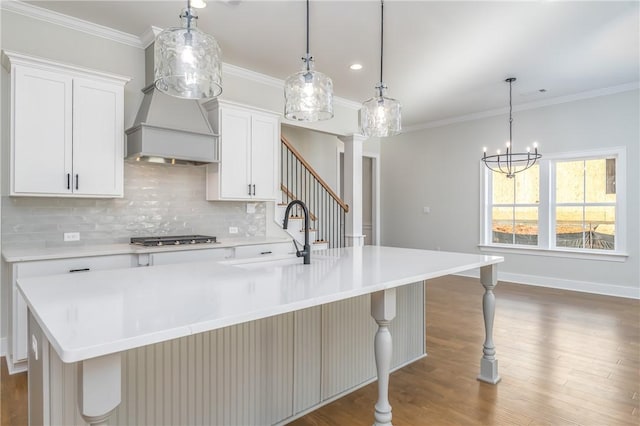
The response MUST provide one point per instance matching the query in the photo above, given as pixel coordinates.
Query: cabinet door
(42, 132)
(98, 142)
(264, 139)
(187, 256)
(235, 128)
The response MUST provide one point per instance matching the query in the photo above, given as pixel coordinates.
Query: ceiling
(443, 59)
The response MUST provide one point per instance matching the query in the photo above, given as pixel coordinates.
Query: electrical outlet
(71, 236)
(233, 229)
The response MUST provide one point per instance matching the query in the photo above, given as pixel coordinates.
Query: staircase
(298, 180)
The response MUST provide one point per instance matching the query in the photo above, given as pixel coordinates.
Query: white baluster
(383, 310)
(489, 363)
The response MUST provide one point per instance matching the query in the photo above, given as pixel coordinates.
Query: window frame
(547, 208)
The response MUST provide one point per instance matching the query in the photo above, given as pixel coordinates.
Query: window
(569, 204)
(514, 211)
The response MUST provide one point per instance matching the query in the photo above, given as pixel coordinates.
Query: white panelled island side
(245, 341)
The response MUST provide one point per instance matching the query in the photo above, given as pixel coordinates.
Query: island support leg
(383, 310)
(99, 387)
(489, 363)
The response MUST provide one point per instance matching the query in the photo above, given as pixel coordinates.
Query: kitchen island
(88, 322)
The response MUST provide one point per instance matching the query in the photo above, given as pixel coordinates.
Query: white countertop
(48, 253)
(101, 312)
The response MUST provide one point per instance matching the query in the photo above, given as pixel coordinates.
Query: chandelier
(380, 115)
(308, 94)
(511, 162)
(187, 61)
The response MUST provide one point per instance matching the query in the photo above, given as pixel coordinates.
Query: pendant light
(380, 116)
(511, 162)
(308, 94)
(188, 61)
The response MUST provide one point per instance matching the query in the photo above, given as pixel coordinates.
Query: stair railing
(301, 181)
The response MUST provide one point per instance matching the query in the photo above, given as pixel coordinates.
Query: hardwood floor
(565, 358)
(13, 397)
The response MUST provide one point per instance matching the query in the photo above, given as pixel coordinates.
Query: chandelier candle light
(308, 94)
(187, 61)
(380, 115)
(511, 162)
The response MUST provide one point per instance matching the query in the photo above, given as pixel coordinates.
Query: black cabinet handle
(77, 179)
(68, 180)
(266, 252)
(249, 189)
(254, 189)
(80, 270)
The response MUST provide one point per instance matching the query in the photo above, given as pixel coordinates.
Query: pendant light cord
(510, 117)
(381, 40)
(308, 58)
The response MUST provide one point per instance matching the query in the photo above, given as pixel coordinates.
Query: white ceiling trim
(277, 83)
(141, 42)
(527, 106)
(87, 27)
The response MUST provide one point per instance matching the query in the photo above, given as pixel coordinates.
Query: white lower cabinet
(274, 249)
(17, 333)
(173, 257)
(261, 372)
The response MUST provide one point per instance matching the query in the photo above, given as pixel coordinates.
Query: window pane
(502, 189)
(528, 186)
(600, 226)
(596, 181)
(569, 227)
(526, 231)
(591, 227)
(570, 182)
(502, 225)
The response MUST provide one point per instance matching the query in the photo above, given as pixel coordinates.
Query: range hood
(169, 129)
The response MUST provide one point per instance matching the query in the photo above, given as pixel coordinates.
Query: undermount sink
(271, 261)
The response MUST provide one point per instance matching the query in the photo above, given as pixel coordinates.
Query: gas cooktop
(175, 240)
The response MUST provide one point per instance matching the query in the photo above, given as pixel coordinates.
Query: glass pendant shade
(188, 61)
(308, 94)
(380, 116)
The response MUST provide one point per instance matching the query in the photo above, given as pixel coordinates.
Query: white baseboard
(562, 284)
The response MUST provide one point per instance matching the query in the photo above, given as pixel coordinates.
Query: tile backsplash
(158, 200)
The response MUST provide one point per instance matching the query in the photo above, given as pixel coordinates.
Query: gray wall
(158, 200)
(440, 168)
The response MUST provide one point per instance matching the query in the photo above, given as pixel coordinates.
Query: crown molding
(142, 42)
(149, 36)
(526, 106)
(277, 83)
(87, 27)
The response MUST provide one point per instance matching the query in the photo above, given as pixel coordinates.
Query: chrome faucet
(306, 249)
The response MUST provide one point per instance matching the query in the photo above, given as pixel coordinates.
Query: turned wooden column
(99, 388)
(383, 310)
(489, 363)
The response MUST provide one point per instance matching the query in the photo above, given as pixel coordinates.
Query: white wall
(440, 168)
(319, 149)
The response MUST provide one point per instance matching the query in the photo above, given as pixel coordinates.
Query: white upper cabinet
(67, 132)
(248, 153)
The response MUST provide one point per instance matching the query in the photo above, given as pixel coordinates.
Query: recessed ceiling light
(198, 4)
(356, 67)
